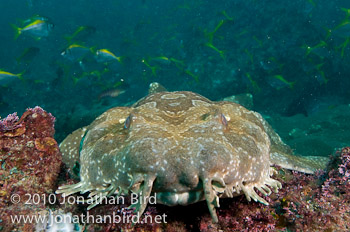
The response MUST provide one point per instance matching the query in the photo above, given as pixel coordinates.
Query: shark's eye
(205, 116)
(223, 120)
(127, 122)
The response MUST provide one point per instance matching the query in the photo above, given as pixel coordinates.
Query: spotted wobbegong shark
(181, 148)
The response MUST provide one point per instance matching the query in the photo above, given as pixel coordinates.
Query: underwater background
(288, 60)
(292, 56)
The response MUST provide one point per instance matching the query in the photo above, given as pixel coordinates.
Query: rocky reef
(30, 163)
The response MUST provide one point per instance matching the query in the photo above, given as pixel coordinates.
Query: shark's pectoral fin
(281, 154)
(70, 148)
(307, 164)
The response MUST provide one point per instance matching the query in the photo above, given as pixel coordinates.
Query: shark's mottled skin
(181, 147)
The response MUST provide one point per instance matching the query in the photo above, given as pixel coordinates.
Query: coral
(30, 162)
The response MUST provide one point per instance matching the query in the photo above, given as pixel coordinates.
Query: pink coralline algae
(29, 165)
(321, 202)
(11, 122)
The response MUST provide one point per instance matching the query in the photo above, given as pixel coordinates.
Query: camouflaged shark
(181, 148)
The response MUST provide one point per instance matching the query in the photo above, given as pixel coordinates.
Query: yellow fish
(166, 61)
(254, 84)
(75, 52)
(28, 54)
(161, 60)
(38, 28)
(153, 68)
(278, 82)
(6, 77)
(32, 19)
(80, 33)
(106, 56)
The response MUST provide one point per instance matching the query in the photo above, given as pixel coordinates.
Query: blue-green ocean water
(292, 56)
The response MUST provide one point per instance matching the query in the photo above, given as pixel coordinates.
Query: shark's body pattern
(181, 147)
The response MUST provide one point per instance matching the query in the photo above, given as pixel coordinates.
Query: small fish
(37, 29)
(195, 77)
(97, 73)
(320, 49)
(342, 29)
(210, 35)
(347, 11)
(80, 33)
(224, 13)
(271, 64)
(253, 83)
(6, 77)
(32, 19)
(343, 47)
(75, 52)
(320, 76)
(221, 53)
(111, 93)
(278, 82)
(106, 56)
(178, 63)
(161, 60)
(28, 54)
(153, 68)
